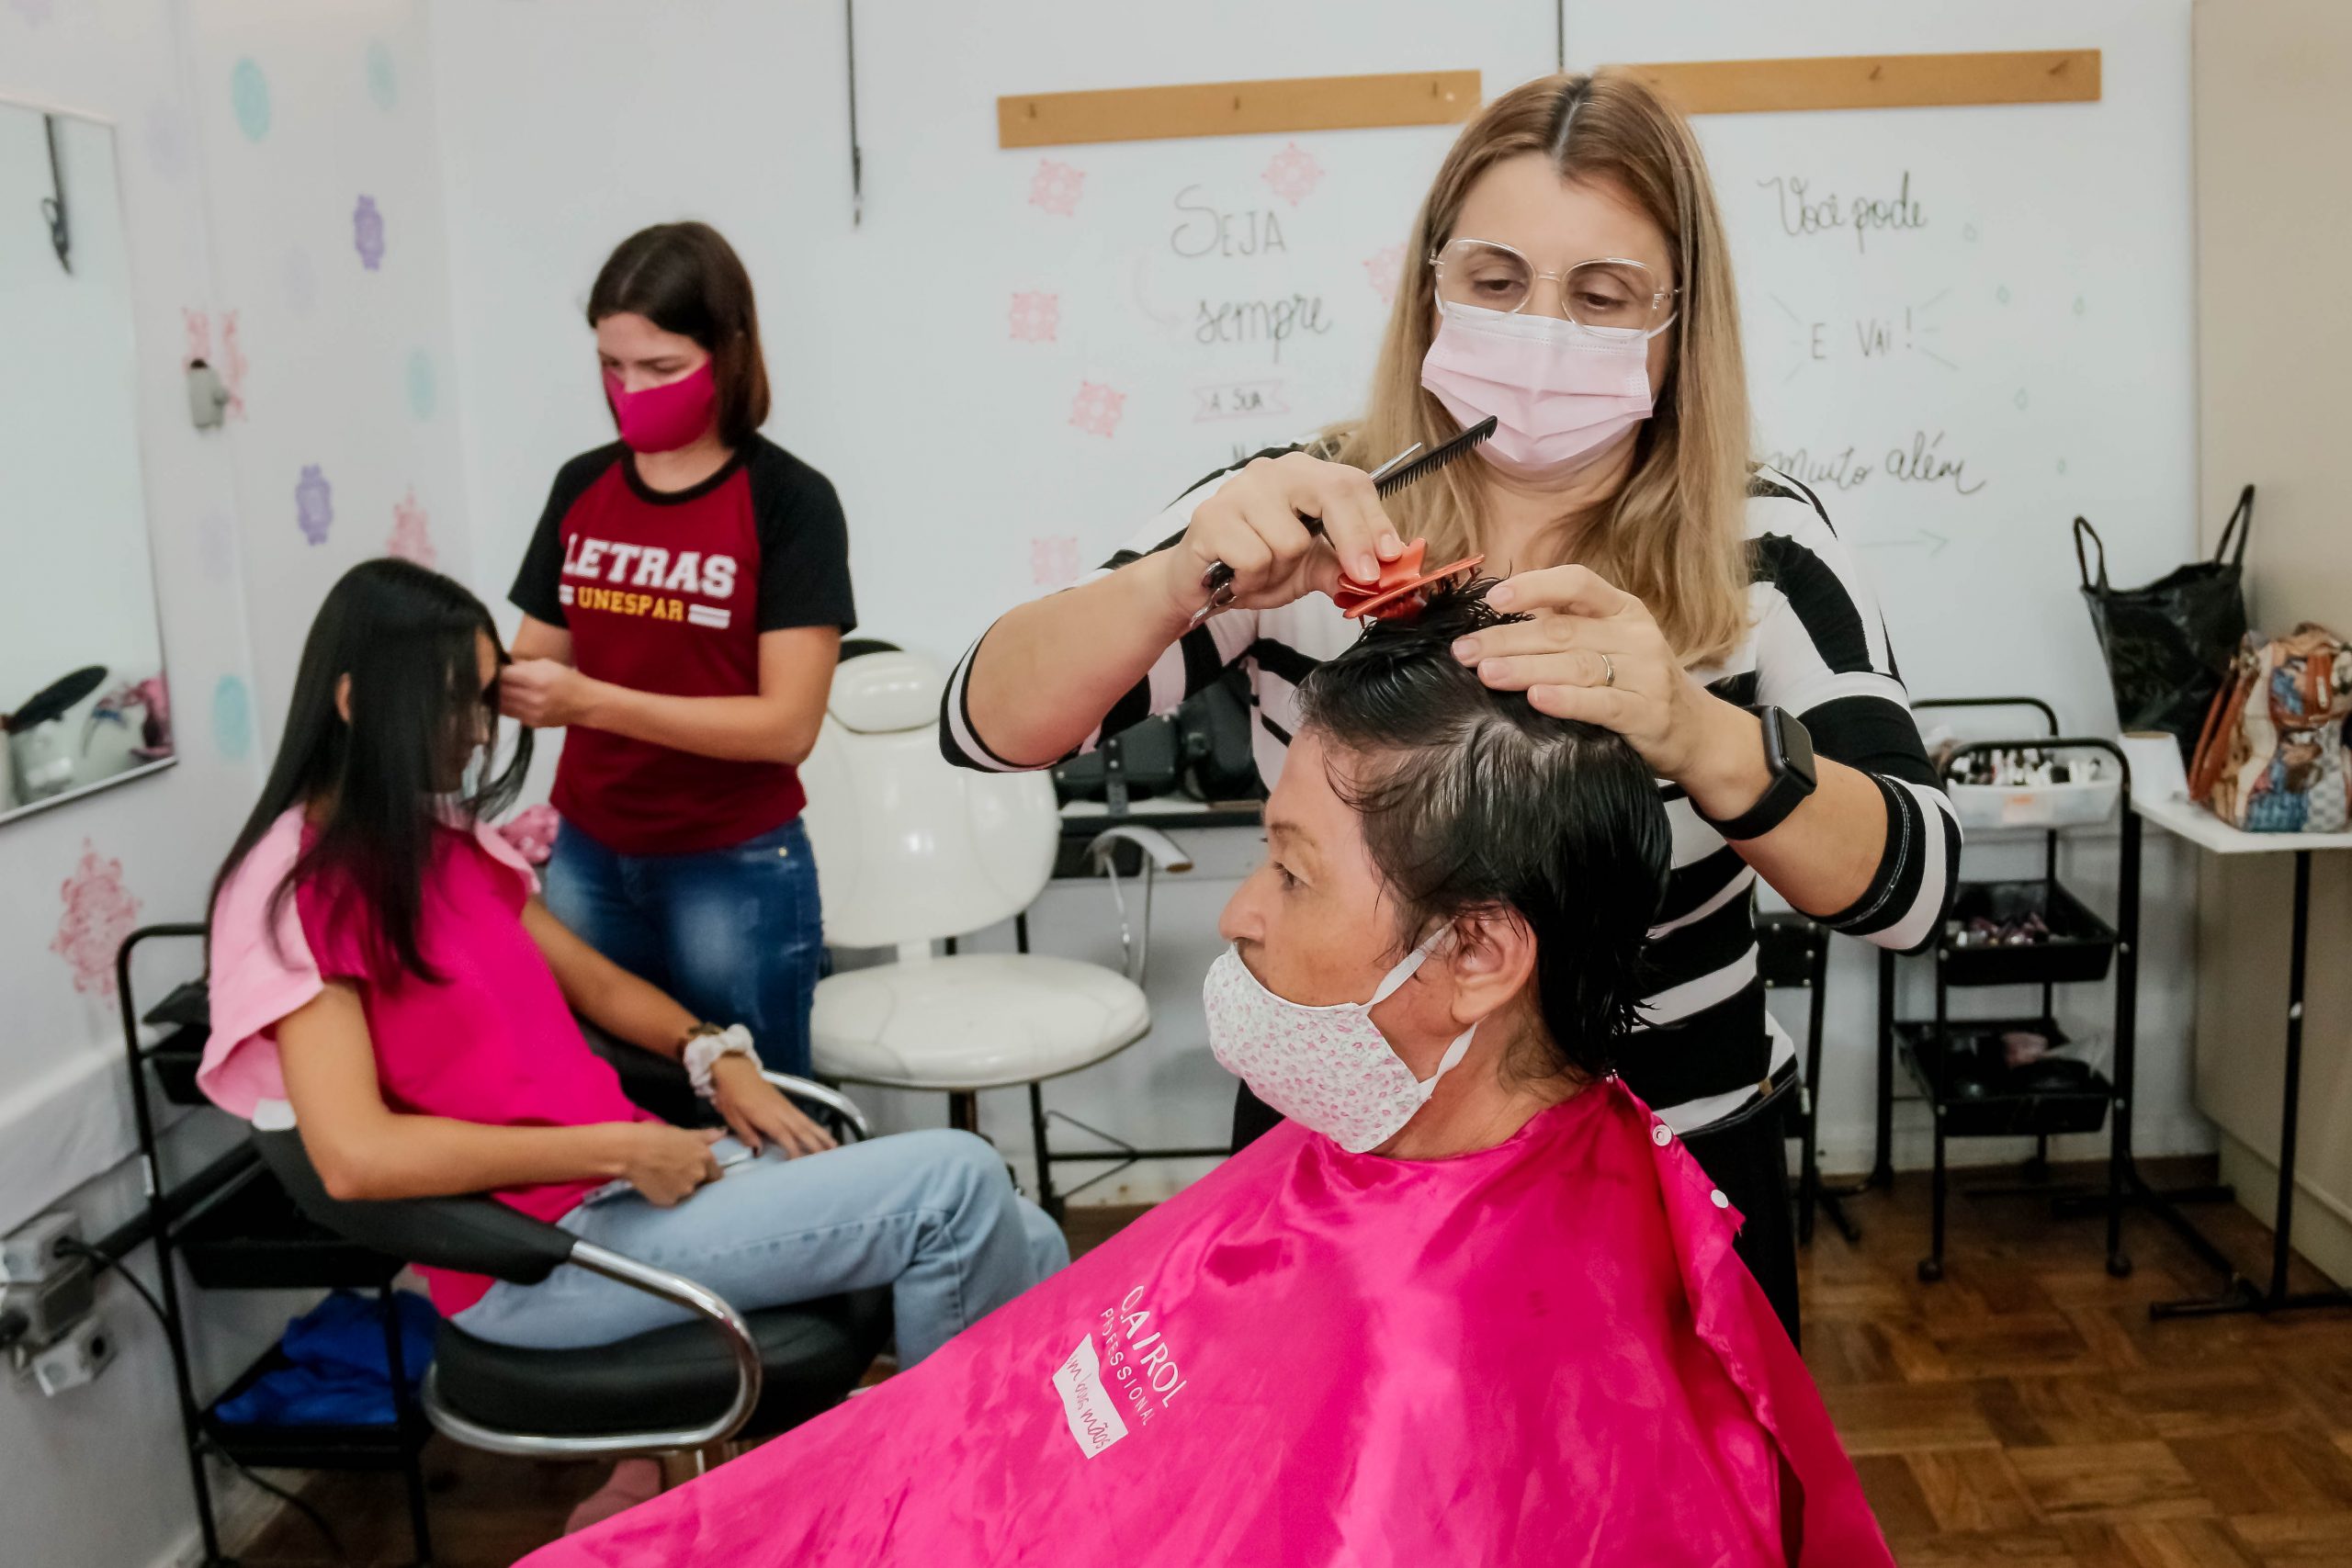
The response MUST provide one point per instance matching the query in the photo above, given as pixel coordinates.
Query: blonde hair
(1672, 536)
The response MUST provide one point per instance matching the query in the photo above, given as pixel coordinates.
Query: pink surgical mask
(664, 418)
(1560, 393)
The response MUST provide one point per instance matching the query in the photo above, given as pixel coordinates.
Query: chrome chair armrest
(660, 1282)
(1160, 854)
(829, 1098)
(1166, 853)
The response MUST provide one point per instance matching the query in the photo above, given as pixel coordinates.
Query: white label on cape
(1094, 1419)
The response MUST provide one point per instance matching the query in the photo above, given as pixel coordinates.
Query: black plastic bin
(250, 1237)
(2002, 1109)
(2079, 947)
(175, 1060)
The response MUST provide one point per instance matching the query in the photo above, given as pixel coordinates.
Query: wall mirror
(84, 702)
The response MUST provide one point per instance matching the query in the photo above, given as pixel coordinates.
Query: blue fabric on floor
(337, 1374)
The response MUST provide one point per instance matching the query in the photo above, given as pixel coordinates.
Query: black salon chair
(675, 1390)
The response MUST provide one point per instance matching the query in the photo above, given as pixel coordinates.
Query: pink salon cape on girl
(1546, 1352)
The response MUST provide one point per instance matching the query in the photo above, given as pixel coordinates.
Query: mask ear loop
(1409, 965)
(1460, 1048)
(1450, 1060)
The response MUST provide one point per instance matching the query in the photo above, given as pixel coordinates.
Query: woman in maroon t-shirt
(684, 603)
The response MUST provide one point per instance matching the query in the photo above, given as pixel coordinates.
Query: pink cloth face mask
(664, 418)
(1560, 393)
(1328, 1068)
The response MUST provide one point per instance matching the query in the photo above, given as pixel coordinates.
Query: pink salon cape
(1546, 1352)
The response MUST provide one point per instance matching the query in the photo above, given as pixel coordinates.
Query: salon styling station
(2011, 1075)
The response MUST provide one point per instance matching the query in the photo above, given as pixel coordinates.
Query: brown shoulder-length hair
(685, 278)
(1672, 536)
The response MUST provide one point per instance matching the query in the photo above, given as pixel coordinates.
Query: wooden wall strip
(1237, 108)
(1877, 81)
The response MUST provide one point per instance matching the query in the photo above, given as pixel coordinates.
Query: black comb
(1387, 481)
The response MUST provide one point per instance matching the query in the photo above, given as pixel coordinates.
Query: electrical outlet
(33, 1249)
(77, 1359)
(51, 1305)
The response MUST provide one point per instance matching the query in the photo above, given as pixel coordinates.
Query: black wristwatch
(1788, 753)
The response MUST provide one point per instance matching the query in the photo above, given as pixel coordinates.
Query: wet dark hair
(685, 278)
(1474, 803)
(406, 637)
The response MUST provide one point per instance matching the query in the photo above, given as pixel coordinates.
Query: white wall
(889, 349)
(239, 188)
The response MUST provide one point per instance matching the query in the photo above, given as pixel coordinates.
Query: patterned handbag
(2271, 757)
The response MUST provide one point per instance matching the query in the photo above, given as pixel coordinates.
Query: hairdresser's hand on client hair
(1593, 653)
(758, 1115)
(543, 694)
(1252, 524)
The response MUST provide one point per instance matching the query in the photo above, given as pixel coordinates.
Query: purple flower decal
(368, 233)
(313, 504)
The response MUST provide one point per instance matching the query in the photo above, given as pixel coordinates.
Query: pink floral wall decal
(99, 912)
(1385, 269)
(1053, 560)
(233, 364)
(412, 537)
(1055, 187)
(1037, 318)
(532, 832)
(1293, 174)
(1097, 409)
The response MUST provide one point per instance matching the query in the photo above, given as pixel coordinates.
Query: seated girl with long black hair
(385, 977)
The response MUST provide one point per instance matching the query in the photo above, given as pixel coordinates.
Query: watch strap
(1788, 790)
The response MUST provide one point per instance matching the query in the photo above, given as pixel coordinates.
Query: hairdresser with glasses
(1568, 275)
(683, 602)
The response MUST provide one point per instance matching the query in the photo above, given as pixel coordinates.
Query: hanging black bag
(2169, 644)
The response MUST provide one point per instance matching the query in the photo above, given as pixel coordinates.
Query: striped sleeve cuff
(958, 741)
(1903, 906)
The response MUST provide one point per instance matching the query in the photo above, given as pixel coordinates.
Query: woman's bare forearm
(1049, 671)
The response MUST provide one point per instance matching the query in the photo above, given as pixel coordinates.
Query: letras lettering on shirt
(600, 574)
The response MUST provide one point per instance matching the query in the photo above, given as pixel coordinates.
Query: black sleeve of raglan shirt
(804, 545)
(536, 583)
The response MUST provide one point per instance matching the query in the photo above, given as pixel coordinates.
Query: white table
(2193, 823)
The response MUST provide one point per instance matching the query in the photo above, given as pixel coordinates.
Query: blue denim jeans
(737, 934)
(930, 1214)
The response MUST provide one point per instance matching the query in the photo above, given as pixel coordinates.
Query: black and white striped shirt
(1816, 647)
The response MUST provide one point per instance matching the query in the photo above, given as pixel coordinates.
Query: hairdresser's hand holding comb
(1255, 523)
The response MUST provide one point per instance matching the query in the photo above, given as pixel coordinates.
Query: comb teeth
(1431, 462)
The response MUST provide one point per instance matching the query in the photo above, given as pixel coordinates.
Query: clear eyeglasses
(1609, 291)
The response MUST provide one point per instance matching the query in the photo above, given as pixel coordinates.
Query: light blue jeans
(930, 1214)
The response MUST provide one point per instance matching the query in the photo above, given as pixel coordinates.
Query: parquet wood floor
(2023, 1413)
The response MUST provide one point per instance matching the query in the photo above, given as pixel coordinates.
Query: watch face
(1796, 749)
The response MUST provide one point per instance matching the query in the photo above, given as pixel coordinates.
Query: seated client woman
(385, 977)
(1470, 1304)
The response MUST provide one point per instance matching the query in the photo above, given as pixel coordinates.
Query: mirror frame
(25, 810)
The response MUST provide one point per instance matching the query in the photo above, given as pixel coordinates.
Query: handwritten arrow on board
(1925, 538)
